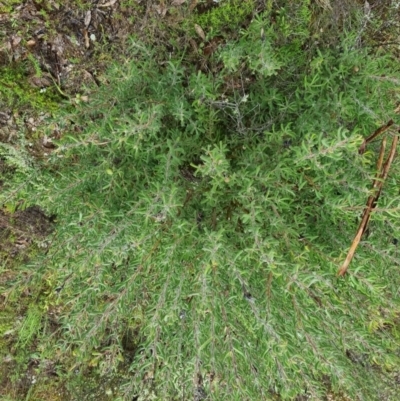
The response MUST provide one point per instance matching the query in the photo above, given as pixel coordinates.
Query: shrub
(202, 220)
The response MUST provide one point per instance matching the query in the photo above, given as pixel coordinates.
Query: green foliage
(35, 64)
(30, 326)
(227, 16)
(15, 158)
(202, 219)
(8, 5)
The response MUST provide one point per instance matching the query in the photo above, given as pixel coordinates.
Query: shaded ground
(50, 51)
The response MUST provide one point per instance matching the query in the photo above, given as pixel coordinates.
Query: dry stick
(342, 271)
(371, 203)
(385, 172)
(379, 131)
(389, 160)
(375, 184)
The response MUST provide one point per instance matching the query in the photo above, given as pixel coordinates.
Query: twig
(377, 184)
(379, 131)
(373, 199)
(342, 271)
(381, 155)
(389, 161)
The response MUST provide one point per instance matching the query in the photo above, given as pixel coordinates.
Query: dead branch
(379, 131)
(373, 199)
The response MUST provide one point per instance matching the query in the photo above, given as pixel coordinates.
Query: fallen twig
(379, 131)
(373, 199)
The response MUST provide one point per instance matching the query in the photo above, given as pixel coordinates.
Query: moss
(17, 92)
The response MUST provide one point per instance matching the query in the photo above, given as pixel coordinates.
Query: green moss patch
(18, 93)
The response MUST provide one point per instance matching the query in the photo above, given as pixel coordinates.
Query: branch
(373, 199)
(379, 131)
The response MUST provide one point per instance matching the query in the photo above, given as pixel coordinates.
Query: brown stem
(379, 131)
(381, 154)
(361, 228)
(372, 201)
(389, 160)
(377, 183)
